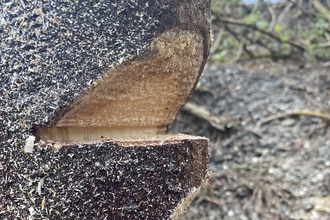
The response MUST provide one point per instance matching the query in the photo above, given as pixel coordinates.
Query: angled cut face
(139, 97)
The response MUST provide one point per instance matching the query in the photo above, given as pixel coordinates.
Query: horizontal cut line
(78, 134)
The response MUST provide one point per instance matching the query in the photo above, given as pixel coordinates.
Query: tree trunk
(88, 89)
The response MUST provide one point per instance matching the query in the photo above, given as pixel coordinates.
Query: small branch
(218, 40)
(323, 45)
(317, 4)
(205, 115)
(298, 113)
(239, 51)
(327, 36)
(242, 167)
(272, 56)
(257, 134)
(273, 22)
(284, 13)
(255, 7)
(206, 89)
(267, 47)
(209, 199)
(235, 36)
(308, 14)
(249, 53)
(264, 31)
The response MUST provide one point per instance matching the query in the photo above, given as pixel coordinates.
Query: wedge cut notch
(138, 97)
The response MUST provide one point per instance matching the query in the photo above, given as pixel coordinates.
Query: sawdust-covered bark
(75, 139)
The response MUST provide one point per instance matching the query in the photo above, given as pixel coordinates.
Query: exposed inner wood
(74, 134)
(139, 97)
(157, 140)
(131, 141)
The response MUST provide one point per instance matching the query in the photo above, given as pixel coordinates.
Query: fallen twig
(206, 89)
(257, 134)
(324, 45)
(298, 113)
(205, 115)
(209, 199)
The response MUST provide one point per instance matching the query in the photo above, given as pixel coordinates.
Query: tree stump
(88, 89)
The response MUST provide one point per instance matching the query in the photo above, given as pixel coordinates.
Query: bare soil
(263, 168)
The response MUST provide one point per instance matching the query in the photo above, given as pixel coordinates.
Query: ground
(266, 162)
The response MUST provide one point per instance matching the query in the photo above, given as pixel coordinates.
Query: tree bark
(88, 89)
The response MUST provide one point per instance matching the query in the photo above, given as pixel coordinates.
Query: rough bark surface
(107, 180)
(52, 52)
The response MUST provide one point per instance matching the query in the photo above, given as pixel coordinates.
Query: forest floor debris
(261, 171)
